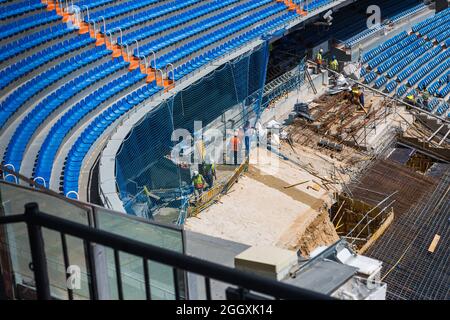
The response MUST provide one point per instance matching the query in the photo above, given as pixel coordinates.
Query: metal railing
(36, 221)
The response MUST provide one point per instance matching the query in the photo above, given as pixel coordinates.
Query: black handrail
(35, 220)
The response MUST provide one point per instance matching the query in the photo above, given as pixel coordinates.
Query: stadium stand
(63, 85)
(414, 63)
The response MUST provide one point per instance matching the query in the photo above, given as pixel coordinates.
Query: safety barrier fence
(210, 196)
(242, 285)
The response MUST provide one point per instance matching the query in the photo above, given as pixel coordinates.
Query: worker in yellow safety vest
(199, 184)
(319, 60)
(411, 99)
(334, 64)
(358, 95)
(210, 173)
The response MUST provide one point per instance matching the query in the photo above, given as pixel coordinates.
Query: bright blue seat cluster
(428, 67)
(72, 117)
(349, 43)
(363, 72)
(316, 4)
(440, 30)
(21, 25)
(15, 100)
(420, 27)
(33, 40)
(24, 66)
(95, 129)
(391, 51)
(444, 91)
(370, 77)
(215, 36)
(409, 12)
(442, 37)
(20, 8)
(379, 49)
(147, 15)
(39, 114)
(201, 60)
(442, 108)
(391, 86)
(380, 82)
(400, 55)
(402, 90)
(200, 26)
(432, 104)
(418, 63)
(174, 21)
(447, 43)
(119, 9)
(405, 61)
(441, 20)
(433, 75)
(91, 4)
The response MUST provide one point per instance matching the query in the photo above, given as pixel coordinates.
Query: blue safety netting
(144, 157)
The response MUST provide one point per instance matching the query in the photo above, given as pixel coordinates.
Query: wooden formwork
(360, 223)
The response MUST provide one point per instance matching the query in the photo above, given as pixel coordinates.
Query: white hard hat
(195, 173)
(321, 50)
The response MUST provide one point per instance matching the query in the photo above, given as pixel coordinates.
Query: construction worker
(411, 99)
(355, 93)
(319, 60)
(425, 97)
(235, 144)
(210, 173)
(334, 64)
(361, 98)
(248, 133)
(199, 184)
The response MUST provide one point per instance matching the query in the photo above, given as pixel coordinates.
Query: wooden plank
(296, 184)
(434, 243)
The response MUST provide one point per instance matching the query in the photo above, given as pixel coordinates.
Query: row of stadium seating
(58, 88)
(38, 115)
(33, 40)
(206, 24)
(8, 30)
(21, 8)
(414, 63)
(25, 92)
(391, 18)
(19, 69)
(84, 143)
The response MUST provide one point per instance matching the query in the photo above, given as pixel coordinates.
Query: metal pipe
(74, 192)
(95, 28)
(173, 72)
(37, 248)
(435, 133)
(145, 64)
(162, 75)
(42, 179)
(87, 11)
(121, 35)
(445, 137)
(154, 57)
(104, 24)
(128, 53)
(110, 37)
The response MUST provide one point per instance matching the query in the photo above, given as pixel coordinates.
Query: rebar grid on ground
(410, 270)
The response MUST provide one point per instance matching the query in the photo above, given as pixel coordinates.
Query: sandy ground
(259, 210)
